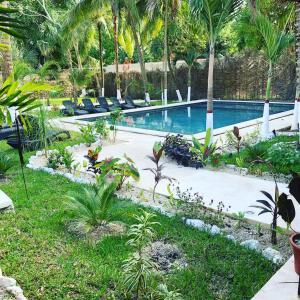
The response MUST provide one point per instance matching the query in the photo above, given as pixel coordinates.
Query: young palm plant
(215, 14)
(6, 163)
(138, 267)
(90, 208)
(276, 41)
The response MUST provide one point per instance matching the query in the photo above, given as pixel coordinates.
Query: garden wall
(240, 77)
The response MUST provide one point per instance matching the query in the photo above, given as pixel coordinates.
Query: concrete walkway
(282, 286)
(238, 192)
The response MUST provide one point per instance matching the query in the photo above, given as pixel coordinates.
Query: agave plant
(90, 207)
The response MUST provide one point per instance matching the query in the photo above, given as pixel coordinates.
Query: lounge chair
(71, 109)
(89, 106)
(117, 103)
(7, 131)
(103, 104)
(129, 101)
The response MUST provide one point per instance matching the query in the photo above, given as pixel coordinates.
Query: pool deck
(277, 121)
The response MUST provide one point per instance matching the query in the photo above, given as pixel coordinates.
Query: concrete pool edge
(248, 126)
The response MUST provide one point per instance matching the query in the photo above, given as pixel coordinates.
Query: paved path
(239, 192)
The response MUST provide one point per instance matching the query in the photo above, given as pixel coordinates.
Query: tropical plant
(215, 15)
(94, 153)
(276, 42)
(234, 139)
(206, 151)
(164, 8)
(90, 208)
(6, 163)
(280, 205)
(96, 12)
(121, 169)
(87, 134)
(67, 159)
(165, 294)
(102, 128)
(139, 267)
(157, 151)
(115, 117)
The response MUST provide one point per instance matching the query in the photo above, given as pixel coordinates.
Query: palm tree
(97, 12)
(163, 8)
(135, 15)
(275, 43)
(215, 14)
(7, 28)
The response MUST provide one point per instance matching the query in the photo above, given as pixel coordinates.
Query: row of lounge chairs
(89, 108)
(30, 138)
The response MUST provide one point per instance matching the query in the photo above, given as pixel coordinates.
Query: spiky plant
(90, 208)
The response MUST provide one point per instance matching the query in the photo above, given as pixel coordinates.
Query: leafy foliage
(6, 163)
(207, 151)
(88, 134)
(157, 151)
(91, 207)
(138, 267)
(118, 168)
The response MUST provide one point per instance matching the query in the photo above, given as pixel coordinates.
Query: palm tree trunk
(296, 119)
(78, 57)
(102, 80)
(116, 33)
(266, 115)
(210, 88)
(166, 54)
(189, 83)
(141, 59)
(172, 71)
(253, 8)
(70, 62)
(7, 61)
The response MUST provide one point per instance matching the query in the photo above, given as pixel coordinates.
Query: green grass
(50, 263)
(230, 158)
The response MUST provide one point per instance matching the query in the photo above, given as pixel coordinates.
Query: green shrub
(283, 154)
(6, 163)
(87, 133)
(90, 208)
(101, 127)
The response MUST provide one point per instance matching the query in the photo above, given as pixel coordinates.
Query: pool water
(192, 119)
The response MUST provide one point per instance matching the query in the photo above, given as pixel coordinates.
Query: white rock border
(269, 253)
(9, 286)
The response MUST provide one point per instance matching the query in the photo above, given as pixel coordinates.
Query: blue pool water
(179, 120)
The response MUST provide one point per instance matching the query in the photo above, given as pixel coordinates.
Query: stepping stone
(5, 201)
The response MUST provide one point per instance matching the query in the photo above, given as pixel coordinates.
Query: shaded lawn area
(264, 146)
(50, 263)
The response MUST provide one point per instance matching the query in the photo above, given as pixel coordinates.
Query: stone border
(9, 287)
(269, 253)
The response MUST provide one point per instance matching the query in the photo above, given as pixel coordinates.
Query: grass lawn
(50, 263)
(280, 166)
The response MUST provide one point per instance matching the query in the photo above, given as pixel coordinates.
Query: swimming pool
(191, 118)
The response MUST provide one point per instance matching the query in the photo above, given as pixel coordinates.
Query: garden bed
(57, 264)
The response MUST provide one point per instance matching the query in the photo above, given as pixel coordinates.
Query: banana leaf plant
(205, 151)
(280, 205)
